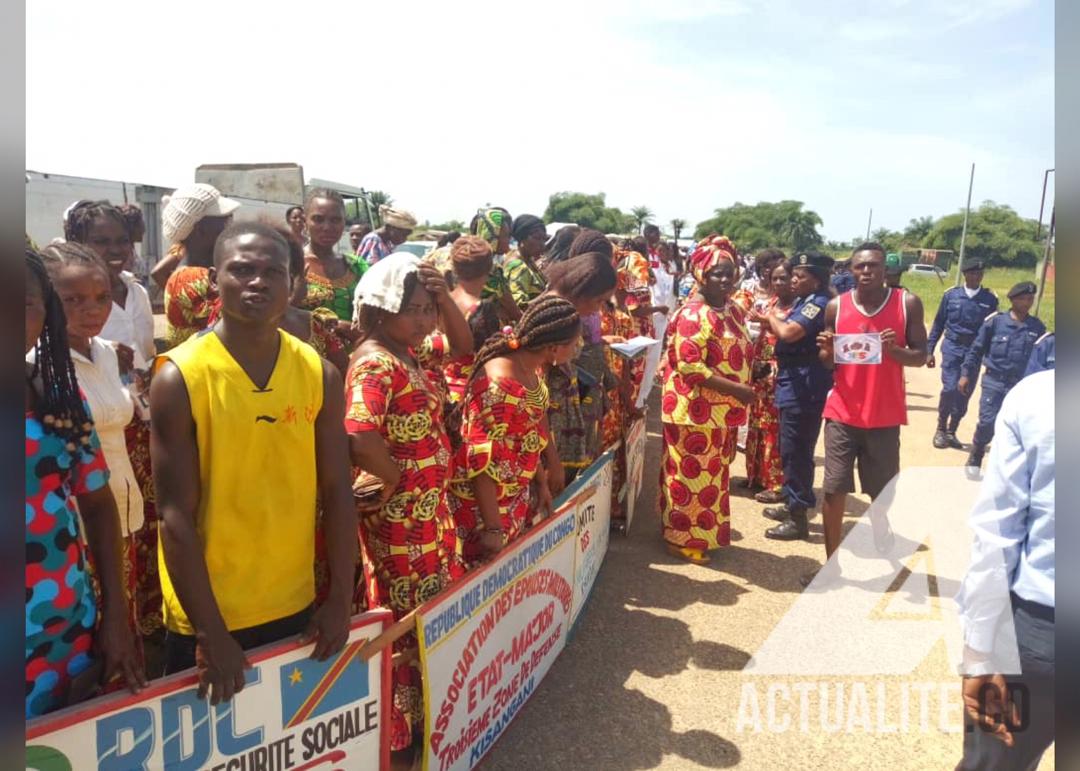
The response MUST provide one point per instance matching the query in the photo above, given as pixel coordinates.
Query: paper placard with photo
(862, 348)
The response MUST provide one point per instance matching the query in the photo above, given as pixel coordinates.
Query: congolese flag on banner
(311, 688)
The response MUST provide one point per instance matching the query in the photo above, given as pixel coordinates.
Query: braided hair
(60, 405)
(326, 194)
(589, 240)
(584, 276)
(80, 218)
(133, 217)
(548, 320)
(559, 247)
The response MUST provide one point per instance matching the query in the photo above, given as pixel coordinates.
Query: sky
(683, 106)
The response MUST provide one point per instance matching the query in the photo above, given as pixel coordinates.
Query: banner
(590, 498)
(293, 713)
(487, 642)
(635, 468)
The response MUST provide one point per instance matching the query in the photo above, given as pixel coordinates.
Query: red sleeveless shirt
(870, 395)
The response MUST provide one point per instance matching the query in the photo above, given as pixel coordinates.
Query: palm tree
(917, 230)
(801, 230)
(641, 215)
(377, 199)
(677, 227)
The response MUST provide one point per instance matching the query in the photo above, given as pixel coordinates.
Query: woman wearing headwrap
(632, 268)
(470, 259)
(397, 437)
(706, 390)
(522, 273)
(493, 225)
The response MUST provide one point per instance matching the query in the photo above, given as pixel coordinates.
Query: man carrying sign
(871, 334)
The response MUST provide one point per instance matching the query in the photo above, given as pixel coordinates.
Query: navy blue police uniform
(1042, 355)
(844, 281)
(1004, 345)
(802, 385)
(956, 324)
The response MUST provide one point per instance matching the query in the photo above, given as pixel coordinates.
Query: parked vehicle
(419, 248)
(928, 270)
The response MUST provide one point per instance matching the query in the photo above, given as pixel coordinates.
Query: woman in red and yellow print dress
(706, 390)
(634, 280)
(499, 480)
(502, 438)
(394, 418)
(763, 466)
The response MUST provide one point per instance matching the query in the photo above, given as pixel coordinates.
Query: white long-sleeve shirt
(1013, 518)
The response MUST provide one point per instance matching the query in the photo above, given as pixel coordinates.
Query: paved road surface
(652, 677)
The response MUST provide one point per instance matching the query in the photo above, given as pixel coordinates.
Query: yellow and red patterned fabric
(411, 540)
(503, 438)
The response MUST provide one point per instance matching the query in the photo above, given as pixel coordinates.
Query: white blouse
(112, 409)
(132, 324)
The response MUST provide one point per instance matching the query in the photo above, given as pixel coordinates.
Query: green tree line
(996, 233)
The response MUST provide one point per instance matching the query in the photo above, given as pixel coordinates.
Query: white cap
(187, 205)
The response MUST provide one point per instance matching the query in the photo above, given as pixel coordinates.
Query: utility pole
(868, 221)
(963, 233)
(1042, 203)
(1045, 262)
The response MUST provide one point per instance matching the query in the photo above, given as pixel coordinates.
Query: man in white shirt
(1009, 719)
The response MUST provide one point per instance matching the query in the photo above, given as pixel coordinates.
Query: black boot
(941, 440)
(975, 457)
(950, 434)
(792, 529)
(777, 513)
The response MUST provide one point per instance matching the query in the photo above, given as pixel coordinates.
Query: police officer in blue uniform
(802, 384)
(962, 311)
(1004, 343)
(1042, 355)
(843, 280)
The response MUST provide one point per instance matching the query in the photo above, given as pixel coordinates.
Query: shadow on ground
(586, 715)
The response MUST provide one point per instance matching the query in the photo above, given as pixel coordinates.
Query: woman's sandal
(769, 496)
(696, 556)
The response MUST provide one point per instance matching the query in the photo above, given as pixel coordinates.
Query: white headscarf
(383, 285)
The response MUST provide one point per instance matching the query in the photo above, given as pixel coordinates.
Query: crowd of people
(350, 430)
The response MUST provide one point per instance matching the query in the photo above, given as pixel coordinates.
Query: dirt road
(652, 677)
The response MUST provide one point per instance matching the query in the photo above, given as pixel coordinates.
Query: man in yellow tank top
(246, 433)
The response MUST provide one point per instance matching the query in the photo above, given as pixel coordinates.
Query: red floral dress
(616, 322)
(503, 438)
(189, 301)
(700, 424)
(411, 540)
(763, 466)
(632, 271)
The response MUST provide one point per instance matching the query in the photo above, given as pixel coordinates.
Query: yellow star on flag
(295, 677)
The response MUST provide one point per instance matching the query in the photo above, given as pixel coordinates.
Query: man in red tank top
(871, 334)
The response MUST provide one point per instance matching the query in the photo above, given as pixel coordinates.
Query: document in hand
(634, 347)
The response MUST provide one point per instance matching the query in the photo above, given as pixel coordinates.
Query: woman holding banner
(504, 428)
(706, 390)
